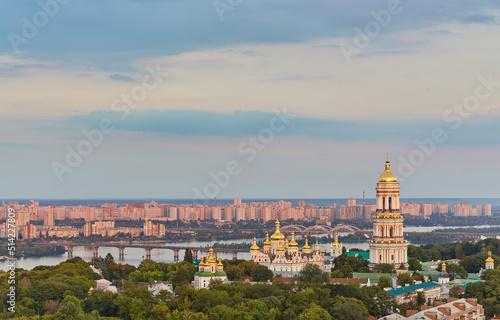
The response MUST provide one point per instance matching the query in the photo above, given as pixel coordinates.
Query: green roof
(364, 255)
(462, 283)
(372, 276)
(210, 274)
(403, 290)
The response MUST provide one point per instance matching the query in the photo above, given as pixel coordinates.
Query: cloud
(477, 130)
(120, 77)
(478, 18)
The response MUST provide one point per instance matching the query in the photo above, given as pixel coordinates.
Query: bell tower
(388, 244)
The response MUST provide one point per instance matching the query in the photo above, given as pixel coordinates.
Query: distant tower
(364, 202)
(490, 264)
(388, 244)
(443, 276)
(335, 248)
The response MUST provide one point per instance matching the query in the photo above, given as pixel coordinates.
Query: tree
(309, 272)
(459, 253)
(421, 298)
(337, 274)
(414, 264)
(456, 271)
(404, 278)
(70, 308)
(258, 309)
(384, 282)
(188, 256)
(208, 299)
(315, 313)
(435, 254)
(160, 311)
(262, 274)
(384, 268)
(348, 311)
(234, 273)
(417, 276)
(347, 270)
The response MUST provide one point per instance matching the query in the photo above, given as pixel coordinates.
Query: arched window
(383, 204)
(390, 203)
(391, 232)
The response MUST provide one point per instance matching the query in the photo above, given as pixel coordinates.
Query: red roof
(347, 280)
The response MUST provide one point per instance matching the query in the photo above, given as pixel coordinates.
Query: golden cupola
(336, 244)
(211, 260)
(387, 176)
(277, 236)
(255, 247)
(306, 248)
(489, 260)
(219, 264)
(280, 250)
(267, 243)
(293, 244)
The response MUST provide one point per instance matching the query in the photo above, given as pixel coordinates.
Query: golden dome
(267, 243)
(202, 262)
(255, 247)
(306, 247)
(220, 262)
(211, 257)
(293, 243)
(490, 259)
(336, 244)
(277, 236)
(387, 176)
(280, 249)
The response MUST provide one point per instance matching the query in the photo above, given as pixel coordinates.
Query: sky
(252, 99)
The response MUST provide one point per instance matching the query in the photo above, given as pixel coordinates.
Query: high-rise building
(388, 244)
(487, 210)
(351, 202)
(49, 218)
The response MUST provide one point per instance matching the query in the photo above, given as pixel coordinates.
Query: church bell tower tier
(388, 244)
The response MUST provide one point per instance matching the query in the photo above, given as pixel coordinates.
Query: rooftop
(403, 290)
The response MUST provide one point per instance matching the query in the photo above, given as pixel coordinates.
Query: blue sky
(222, 82)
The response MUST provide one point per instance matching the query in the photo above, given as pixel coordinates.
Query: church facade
(388, 244)
(282, 256)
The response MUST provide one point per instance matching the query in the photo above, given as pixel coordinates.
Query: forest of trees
(62, 292)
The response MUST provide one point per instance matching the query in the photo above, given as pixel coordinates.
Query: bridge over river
(147, 246)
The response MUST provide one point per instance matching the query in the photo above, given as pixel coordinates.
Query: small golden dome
(202, 262)
(267, 243)
(306, 247)
(293, 243)
(220, 262)
(255, 247)
(490, 259)
(387, 176)
(277, 236)
(280, 250)
(336, 244)
(211, 258)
